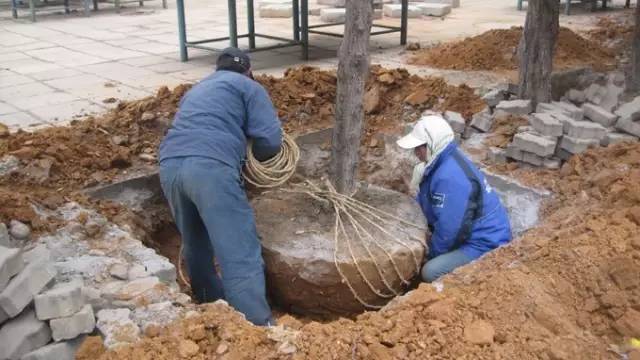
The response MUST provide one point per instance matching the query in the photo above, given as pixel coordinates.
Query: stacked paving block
(275, 8)
(333, 11)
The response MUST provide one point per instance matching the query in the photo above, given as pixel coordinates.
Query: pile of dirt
(614, 32)
(497, 50)
(503, 130)
(566, 289)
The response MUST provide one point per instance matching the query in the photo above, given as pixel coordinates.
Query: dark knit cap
(233, 59)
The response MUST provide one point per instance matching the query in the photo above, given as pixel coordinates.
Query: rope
(268, 174)
(350, 209)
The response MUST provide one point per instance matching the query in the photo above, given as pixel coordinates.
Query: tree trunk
(536, 50)
(635, 57)
(353, 70)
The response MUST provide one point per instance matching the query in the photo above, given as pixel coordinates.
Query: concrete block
(482, 121)
(617, 137)
(576, 96)
(532, 159)
(161, 268)
(5, 239)
(577, 146)
(525, 128)
(11, 263)
(62, 300)
(546, 124)
(515, 107)
(315, 10)
(497, 155)
(563, 154)
(469, 132)
(575, 112)
(599, 115)
(66, 328)
(629, 126)
(595, 93)
(395, 11)
(431, 9)
(276, 11)
(39, 252)
(377, 14)
(455, 120)
(514, 152)
(333, 15)
(22, 335)
(493, 97)
(630, 110)
(334, 3)
(535, 144)
(452, 3)
(18, 230)
(273, 2)
(552, 163)
(584, 130)
(24, 286)
(65, 350)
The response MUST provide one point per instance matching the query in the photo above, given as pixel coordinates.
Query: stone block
(276, 11)
(66, 328)
(552, 163)
(22, 335)
(482, 121)
(5, 239)
(469, 132)
(575, 112)
(612, 138)
(630, 110)
(515, 107)
(377, 14)
(395, 11)
(11, 263)
(3, 316)
(576, 96)
(514, 152)
(431, 9)
(584, 130)
(535, 144)
(315, 10)
(563, 154)
(497, 155)
(62, 300)
(493, 97)
(599, 115)
(452, 3)
(546, 124)
(161, 268)
(455, 120)
(595, 93)
(24, 286)
(273, 2)
(532, 159)
(525, 128)
(333, 15)
(65, 350)
(18, 230)
(38, 253)
(550, 108)
(334, 3)
(577, 146)
(629, 126)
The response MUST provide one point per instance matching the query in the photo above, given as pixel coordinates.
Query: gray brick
(395, 10)
(576, 96)
(531, 158)
(536, 144)
(82, 322)
(11, 263)
(469, 132)
(334, 3)
(585, 130)
(563, 154)
(65, 350)
(431, 9)
(3, 316)
(493, 97)
(514, 152)
(62, 300)
(482, 121)
(39, 252)
(552, 163)
(617, 137)
(5, 239)
(22, 335)
(276, 11)
(546, 124)
(577, 146)
(630, 110)
(597, 114)
(497, 155)
(515, 107)
(455, 120)
(629, 126)
(333, 15)
(24, 286)
(551, 108)
(575, 112)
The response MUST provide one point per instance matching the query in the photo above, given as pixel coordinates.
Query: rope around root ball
(268, 174)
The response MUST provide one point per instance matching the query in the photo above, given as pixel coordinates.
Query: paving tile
(20, 120)
(6, 108)
(54, 74)
(119, 92)
(166, 38)
(77, 82)
(146, 60)
(153, 83)
(105, 51)
(8, 94)
(128, 41)
(36, 101)
(66, 111)
(66, 57)
(152, 47)
(193, 75)
(170, 67)
(29, 46)
(8, 78)
(12, 39)
(29, 66)
(16, 55)
(117, 71)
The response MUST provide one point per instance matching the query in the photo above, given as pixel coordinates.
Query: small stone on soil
(479, 332)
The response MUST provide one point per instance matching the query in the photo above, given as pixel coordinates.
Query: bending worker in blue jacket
(464, 213)
(201, 160)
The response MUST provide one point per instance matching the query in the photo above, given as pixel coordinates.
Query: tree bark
(635, 57)
(353, 70)
(536, 50)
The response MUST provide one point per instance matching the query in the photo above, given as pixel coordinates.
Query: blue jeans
(444, 264)
(214, 217)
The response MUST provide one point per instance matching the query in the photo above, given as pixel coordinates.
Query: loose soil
(614, 32)
(497, 50)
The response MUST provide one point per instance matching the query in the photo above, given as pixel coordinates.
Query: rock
(66, 328)
(22, 335)
(479, 332)
(161, 268)
(629, 324)
(19, 230)
(136, 288)
(333, 15)
(577, 146)
(119, 140)
(11, 263)
(455, 120)
(116, 327)
(119, 271)
(147, 116)
(137, 271)
(395, 11)
(482, 121)
(300, 251)
(515, 107)
(9, 164)
(599, 115)
(159, 314)
(552, 163)
(38, 170)
(276, 10)
(372, 100)
(65, 350)
(188, 348)
(535, 144)
(24, 286)
(62, 300)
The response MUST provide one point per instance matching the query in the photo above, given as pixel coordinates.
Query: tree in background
(635, 57)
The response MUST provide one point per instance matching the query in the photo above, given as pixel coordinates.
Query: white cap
(432, 130)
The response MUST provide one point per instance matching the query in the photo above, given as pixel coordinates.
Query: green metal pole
(304, 28)
(182, 31)
(296, 20)
(233, 26)
(404, 22)
(251, 25)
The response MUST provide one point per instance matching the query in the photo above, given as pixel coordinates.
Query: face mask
(416, 178)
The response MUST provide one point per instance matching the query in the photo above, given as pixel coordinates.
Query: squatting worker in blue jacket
(201, 159)
(464, 213)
